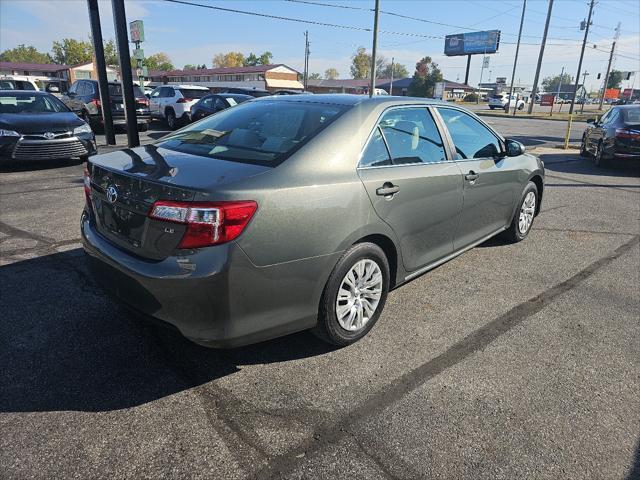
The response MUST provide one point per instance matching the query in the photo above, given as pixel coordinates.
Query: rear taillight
(143, 101)
(87, 186)
(627, 133)
(184, 100)
(96, 102)
(208, 223)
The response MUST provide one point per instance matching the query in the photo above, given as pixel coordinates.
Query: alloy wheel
(527, 211)
(359, 295)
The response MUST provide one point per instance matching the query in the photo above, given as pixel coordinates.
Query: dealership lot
(511, 361)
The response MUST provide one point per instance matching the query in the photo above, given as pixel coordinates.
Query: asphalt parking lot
(510, 361)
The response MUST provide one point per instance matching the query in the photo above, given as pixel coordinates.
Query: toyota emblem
(112, 194)
(49, 135)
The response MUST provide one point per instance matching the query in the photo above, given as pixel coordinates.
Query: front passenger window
(412, 136)
(470, 137)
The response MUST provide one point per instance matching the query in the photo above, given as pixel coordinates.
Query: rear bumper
(214, 296)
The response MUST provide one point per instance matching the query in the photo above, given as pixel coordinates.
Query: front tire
(525, 213)
(491, 107)
(584, 152)
(354, 296)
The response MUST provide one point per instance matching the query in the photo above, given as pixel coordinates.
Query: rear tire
(491, 107)
(354, 296)
(143, 127)
(523, 218)
(583, 148)
(172, 121)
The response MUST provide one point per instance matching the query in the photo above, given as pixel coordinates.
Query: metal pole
(122, 40)
(391, 83)
(466, 75)
(306, 58)
(515, 61)
(372, 86)
(481, 73)
(544, 42)
(584, 44)
(584, 80)
(606, 77)
(559, 86)
(103, 82)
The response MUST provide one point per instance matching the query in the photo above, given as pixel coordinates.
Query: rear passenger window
(412, 136)
(470, 138)
(376, 153)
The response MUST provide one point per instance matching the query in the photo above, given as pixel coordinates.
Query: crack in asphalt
(284, 464)
(595, 232)
(583, 182)
(36, 190)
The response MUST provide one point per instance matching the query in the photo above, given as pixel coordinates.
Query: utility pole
(534, 90)
(372, 86)
(584, 44)
(466, 75)
(122, 40)
(306, 59)
(515, 61)
(391, 83)
(101, 67)
(606, 77)
(484, 60)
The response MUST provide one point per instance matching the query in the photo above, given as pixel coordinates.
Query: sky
(193, 35)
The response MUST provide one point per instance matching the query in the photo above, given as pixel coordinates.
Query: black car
(292, 92)
(614, 135)
(83, 98)
(215, 103)
(38, 126)
(254, 92)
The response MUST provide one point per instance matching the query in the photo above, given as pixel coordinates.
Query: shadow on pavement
(563, 163)
(634, 474)
(25, 166)
(64, 345)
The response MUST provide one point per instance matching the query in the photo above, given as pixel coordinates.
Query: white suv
(173, 103)
(500, 100)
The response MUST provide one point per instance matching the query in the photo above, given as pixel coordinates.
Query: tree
(331, 73)
(550, 84)
(315, 76)
(70, 51)
(252, 59)
(361, 64)
(189, 66)
(229, 59)
(615, 79)
(110, 52)
(25, 54)
(426, 76)
(399, 71)
(158, 61)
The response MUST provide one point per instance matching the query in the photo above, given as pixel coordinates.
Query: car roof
(29, 92)
(626, 107)
(232, 95)
(196, 87)
(351, 99)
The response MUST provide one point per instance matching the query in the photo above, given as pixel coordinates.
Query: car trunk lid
(126, 184)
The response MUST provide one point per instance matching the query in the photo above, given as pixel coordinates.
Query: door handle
(471, 176)
(388, 189)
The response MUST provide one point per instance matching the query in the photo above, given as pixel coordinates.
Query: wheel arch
(537, 179)
(389, 248)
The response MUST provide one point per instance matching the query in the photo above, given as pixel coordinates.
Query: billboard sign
(501, 80)
(472, 43)
(136, 29)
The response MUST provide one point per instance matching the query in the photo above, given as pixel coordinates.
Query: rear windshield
(193, 93)
(632, 116)
(27, 103)
(263, 132)
(116, 90)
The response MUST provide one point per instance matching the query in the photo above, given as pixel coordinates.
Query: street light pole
(372, 86)
(101, 67)
(584, 44)
(542, 45)
(584, 80)
(515, 61)
(391, 83)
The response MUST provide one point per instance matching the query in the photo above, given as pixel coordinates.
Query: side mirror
(514, 148)
(591, 120)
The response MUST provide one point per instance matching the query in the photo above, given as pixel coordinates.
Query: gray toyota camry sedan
(300, 212)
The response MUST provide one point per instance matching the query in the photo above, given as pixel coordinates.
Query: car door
(596, 133)
(490, 178)
(154, 101)
(413, 184)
